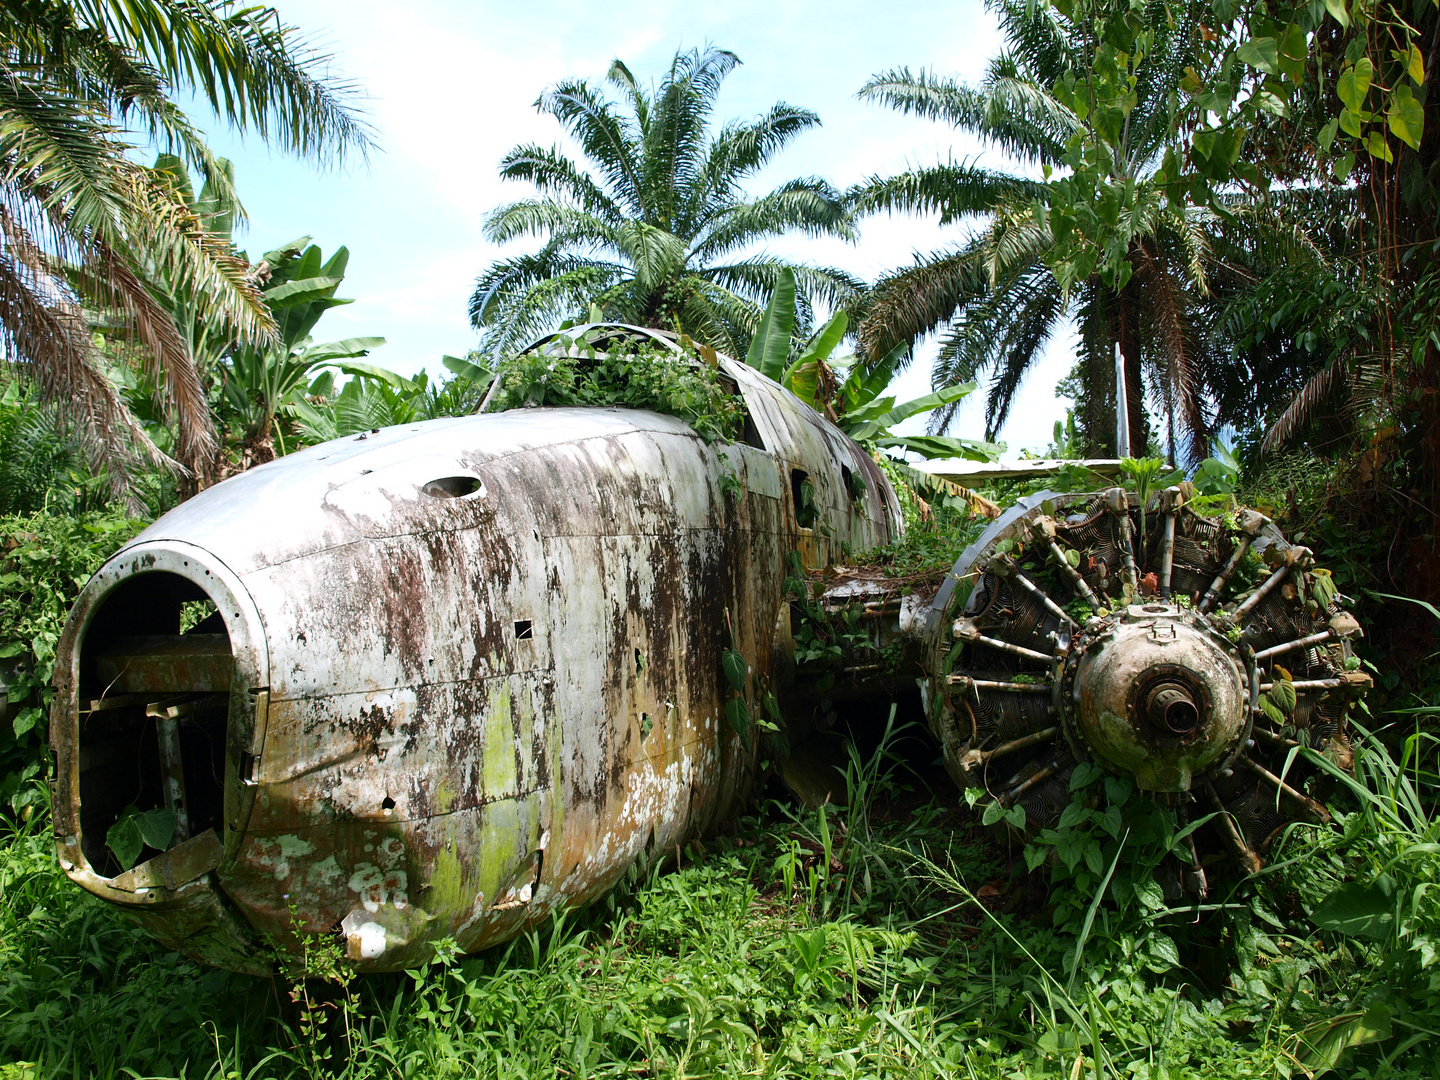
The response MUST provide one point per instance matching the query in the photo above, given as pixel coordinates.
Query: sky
(450, 87)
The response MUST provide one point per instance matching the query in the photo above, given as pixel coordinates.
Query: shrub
(45, 560)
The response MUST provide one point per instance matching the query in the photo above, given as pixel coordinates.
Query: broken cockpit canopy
(155, 678)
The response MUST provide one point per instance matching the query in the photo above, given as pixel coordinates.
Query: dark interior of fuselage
(154, 701)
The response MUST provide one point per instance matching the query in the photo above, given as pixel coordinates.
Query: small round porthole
(454, 487)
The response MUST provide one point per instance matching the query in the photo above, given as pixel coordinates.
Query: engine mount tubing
(1128, 574)
(1310, 684)
(1044, 598)
(1010, 647)
(1038, 776)
(1009, 687)
(1280, 785)
(1259, 594)
(1272, 737)
(1081, 585)
(1022, 743)
(1167, 555)
(1248, 859)
(1222, 579)
(1298, 643)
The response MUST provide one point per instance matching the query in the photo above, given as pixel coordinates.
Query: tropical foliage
(1002, 295)
(659, 230)
(599, 367)
(83, 225)
(262, 380)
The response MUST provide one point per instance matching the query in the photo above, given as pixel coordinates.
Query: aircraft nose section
(159, 716)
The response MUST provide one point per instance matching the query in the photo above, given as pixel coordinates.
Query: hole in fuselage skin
(387, 803)
(154, 697)
(524, 630)
(453, 487)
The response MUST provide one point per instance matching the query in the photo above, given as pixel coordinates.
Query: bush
(634, 375)
(45, 560)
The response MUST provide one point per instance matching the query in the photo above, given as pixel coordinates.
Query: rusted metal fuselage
(441, 679)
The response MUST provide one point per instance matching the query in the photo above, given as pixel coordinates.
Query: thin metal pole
(1122, 408)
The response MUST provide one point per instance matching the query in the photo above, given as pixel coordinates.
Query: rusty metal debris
(463, 673)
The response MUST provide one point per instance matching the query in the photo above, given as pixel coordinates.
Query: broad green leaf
(1262, 53)
(379, 374)
(1267, 706)
(770, 347)
(157, 827)
(1354, 84)
(1406, 117)
(863, 385)
(1015, 817)
(943, 446)
(1378, 147)
(1294, 49)
(1149, 893)
(135, 829)
(993, 813)
(1283, 694)
(1161, 951)
(802, 378)
(1414, 64)
(1357, 910)
(298, 292)
(26, 719)
(733, 664)
(1343, 164)
(1318, 1046)
(1349, 123)
(824, 342)
(1337, 9)
(123, 838)
(1084, 774)
(738, 714)
(466, 370)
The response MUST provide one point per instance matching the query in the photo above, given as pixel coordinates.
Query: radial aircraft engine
(439, 680)
(1189, 654)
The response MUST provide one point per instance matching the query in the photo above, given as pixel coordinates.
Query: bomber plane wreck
(439, 680)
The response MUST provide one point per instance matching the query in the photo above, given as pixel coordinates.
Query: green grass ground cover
(891, 938)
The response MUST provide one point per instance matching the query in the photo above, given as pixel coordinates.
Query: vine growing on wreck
(629, 374)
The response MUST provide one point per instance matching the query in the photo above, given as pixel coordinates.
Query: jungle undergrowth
(883, 937)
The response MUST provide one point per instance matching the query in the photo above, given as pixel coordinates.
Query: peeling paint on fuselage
(475, 710)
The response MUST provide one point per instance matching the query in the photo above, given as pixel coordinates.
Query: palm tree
(995, 296)
(655, 233)
(83, 229)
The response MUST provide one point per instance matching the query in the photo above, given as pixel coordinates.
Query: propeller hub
(1154, 691)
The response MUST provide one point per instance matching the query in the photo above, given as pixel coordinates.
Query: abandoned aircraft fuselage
(457, 674)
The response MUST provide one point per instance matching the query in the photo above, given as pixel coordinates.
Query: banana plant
(849, 392)
(377, 397)
(263, 383)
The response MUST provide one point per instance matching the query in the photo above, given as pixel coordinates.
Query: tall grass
(843, 942)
